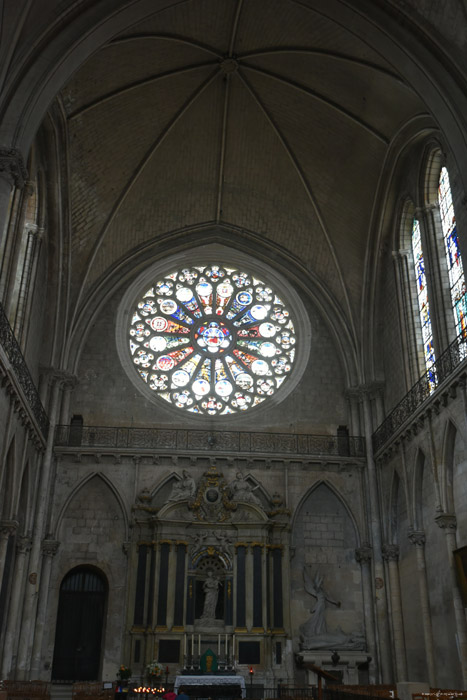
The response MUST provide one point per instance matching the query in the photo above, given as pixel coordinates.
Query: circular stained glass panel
(212, 340)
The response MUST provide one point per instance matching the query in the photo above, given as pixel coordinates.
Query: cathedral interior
(214, 212)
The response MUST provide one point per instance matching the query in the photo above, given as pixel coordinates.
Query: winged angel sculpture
(314, 631)
(316, 625)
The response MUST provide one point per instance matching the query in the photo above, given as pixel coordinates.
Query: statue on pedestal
(211, 591)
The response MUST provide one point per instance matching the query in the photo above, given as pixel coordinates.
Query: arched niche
(325, 537)
(92, 523)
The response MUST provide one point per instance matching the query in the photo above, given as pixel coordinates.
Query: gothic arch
(248, 245)
(78, 487)
(342, 501)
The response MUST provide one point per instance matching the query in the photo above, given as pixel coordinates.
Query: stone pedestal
(347, 665)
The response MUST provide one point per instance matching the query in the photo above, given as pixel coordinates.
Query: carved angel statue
(184, 489)
(241, 490)
(316, 625)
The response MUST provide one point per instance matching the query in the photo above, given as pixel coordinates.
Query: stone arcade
(232, 339)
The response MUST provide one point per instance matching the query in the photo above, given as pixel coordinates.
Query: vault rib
(178, 38)
(220, 182)
(296, 165)
(333, 55)
(131, 181)
(316, 95)
(135, 85)
(233, 35)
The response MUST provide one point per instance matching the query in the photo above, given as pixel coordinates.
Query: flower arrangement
(124, 673)
(154, 670)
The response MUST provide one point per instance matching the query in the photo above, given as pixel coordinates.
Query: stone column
(31, 256)
(23, 547)
(448, 523)
(391, 555)
(375, 529)
(165, 547)
(240, 608)
(249, 587)
(7, 529)
(258, 621)
(13, 173)
(353, 399)
(33, 580)
(363, 555)
(434, 254)
(49, 550)
(179, 585)
(417, 538)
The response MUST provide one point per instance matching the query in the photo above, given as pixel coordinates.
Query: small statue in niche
(184, 489)
(241, 490)
(211, 593)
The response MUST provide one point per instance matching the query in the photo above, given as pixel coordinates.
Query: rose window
(212, 340)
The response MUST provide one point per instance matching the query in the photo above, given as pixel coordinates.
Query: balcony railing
(20, 368)
(426, 386)
(205, 440)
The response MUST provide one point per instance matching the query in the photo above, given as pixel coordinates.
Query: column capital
(446, 521)
(58, 376)
(23, 545)
(427, 209)
(390, 552)
(417, 537)
(8, 527)
(12, 167)
(370, 390)
(50, 547)
(364, 554)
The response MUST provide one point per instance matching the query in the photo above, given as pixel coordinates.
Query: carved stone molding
(8, 528)
(12, 166)
(417, 537)
(50, 548)
(390, 552)
(364, 554)
(446, 521)
(23, 545)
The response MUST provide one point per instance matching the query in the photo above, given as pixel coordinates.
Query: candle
(199, 645)
(233, 648)
(192, 644)
(184, 645)
(218, 645)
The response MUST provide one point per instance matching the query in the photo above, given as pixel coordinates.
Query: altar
(212, 685)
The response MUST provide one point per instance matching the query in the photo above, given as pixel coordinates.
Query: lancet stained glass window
(453, 255)
(212, 339)
(423, 304)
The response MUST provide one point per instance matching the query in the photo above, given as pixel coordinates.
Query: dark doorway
(80, 620)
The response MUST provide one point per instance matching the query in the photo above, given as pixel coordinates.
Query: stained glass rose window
(212, 339)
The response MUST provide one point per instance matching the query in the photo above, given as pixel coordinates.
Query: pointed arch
(79, 487)
(332, 488)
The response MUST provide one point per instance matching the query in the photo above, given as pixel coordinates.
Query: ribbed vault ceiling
(268, 116)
